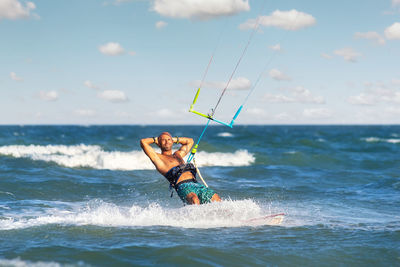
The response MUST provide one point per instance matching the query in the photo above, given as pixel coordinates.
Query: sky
(141, 61)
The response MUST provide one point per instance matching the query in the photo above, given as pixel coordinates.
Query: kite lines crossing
(210, 117)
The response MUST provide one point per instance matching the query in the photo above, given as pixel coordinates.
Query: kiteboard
(272, 219)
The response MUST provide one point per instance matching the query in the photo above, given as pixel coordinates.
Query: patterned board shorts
(203, 193)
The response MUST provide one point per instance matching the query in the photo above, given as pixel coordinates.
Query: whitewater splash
(384, 140)
(18, 262)
(228, 213)
(95, 157)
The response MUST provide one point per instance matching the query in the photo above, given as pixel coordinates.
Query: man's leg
(216, 198)
(192, 198)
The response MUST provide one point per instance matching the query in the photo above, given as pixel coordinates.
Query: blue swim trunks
(204, 193)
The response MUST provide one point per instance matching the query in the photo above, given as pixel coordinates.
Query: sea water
(88, 196)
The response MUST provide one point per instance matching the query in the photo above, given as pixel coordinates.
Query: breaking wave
(228, 213)
(93, 156)
(384, 140)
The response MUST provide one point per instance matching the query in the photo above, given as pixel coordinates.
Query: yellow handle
(194, 100)
(201, 114)
(196, 96)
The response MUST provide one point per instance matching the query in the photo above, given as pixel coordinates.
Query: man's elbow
(141, 143)
(191, 141)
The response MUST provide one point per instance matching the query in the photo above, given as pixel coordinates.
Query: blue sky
(140, 62)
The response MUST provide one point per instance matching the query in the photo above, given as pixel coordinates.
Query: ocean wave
(225, 134)
(17, 262)
(385, 140)
(228, 213)
(338, 216)
(239, 158)
(95, 157)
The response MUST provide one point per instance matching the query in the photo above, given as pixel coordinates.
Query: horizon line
(215, 125)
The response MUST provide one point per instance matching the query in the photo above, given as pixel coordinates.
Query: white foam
(376, 139)
(225, 134)
(239, 158)
(228, 213)
(17, 262)
(224, 214)
(93, 156)
(371, 139)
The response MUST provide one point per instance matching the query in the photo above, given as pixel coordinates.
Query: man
(181, 176)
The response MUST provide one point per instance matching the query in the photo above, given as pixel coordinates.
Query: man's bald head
(164, 133)
(165, 141)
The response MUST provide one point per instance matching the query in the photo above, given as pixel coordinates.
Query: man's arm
(145, 143)
(186, 143)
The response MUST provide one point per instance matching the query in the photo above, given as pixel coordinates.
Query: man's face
(165, 142)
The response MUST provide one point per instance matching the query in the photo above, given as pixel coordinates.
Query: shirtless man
(181, 176)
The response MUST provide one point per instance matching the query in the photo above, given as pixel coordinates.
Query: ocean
(88, 196)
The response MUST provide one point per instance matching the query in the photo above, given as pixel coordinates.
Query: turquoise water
(88, 196)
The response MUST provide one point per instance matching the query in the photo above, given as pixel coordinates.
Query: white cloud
(111, 49)
(14, 77)
(362, 99)
(292, 20)
(199, 9)
(298, 94)
(305, 96)
(90, 85)
(48, 95)
(240, 83)
(161, 24)
(373, 36)
(115, 96)
(395, 2)
(276, 47)
(377, 93)
(348, 54)
(317, 113)
(396, 81)
(85, 112)
(13, 9)
(393, 32)
(278, 98)
(325, 55)
(278, 75)
(388, 95)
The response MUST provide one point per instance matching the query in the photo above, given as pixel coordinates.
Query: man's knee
(192, 198)
(215, 197)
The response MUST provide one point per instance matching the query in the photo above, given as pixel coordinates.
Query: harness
(174, 173)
